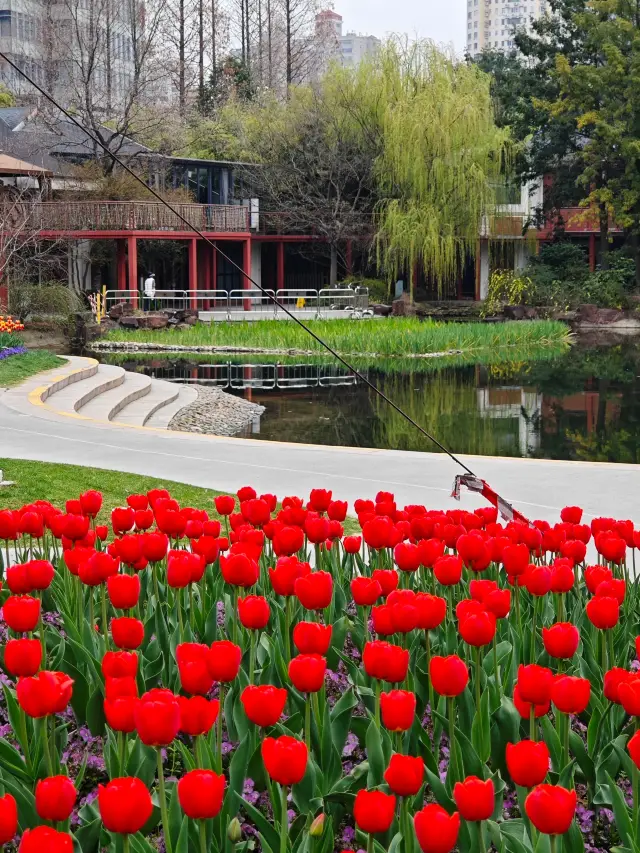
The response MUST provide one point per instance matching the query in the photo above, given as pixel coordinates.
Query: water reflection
(581, 405)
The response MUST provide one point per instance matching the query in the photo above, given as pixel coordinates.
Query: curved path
(30, 429)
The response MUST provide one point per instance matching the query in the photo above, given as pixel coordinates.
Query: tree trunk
(214, 57)
(108, 58)
(269, 44)
(248, 36)
(242, 36)
(333, 271)
(289, 60)
(201, 50)
(260, 53)
(604, 238)
(182, 98)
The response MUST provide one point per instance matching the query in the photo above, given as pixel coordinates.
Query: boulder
(403, 307)
(182, 315)
(382, 310)
(595, 316)
(191, 320)
(153, 321)
(122, 309)
(129, 322)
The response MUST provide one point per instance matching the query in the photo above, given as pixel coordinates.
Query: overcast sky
(441, 20)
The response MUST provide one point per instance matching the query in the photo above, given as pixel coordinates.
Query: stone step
(139, 412)
(161, 418)
(107, 405)
(77, 395)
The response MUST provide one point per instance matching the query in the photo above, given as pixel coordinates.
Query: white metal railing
(264, 377)
(220, 304)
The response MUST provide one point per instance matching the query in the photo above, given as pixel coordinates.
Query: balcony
(89, 217)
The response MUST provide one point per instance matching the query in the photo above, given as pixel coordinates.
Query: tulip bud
(317, 827)
(234, 832)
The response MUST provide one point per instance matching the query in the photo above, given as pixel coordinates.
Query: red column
(214, 268)
(592, 252)
(280, 265)
(246, 266)
(349, 258)
(121, 264)
(132, 257)
(193, 272)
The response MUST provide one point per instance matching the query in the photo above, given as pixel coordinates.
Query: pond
(583, 404)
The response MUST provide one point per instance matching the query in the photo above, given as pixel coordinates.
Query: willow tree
(441, 159)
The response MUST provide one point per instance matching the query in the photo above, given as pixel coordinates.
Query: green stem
(565, 745)
(532, 723)
(553, 843)
(518, 614)
(235, 615)
(287, 629)
(43, 643)
(103, 617)
(192, 610)
(452, 725)
(532, 654)
(496, 669)
(92, 619)
(307, 723)
(163, 803)
(482, 847)
(125, 844)
(156, 588)
(370, 843)
(219, 728)
(45, 746)
(284, 823)
(25, 740)
(377, 709)
(478, 680)
(202, 833)
(122, 752)
(180, 622)
(428, 653)
(252, 655)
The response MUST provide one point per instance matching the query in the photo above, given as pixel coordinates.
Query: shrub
(505, 288)
(379, 290)
(49, 299)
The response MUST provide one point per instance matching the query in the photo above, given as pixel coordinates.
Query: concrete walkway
(538, 488)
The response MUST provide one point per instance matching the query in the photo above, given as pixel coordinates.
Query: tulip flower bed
(258, 680)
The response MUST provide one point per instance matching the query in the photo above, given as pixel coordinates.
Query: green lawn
(17, 368)
(396, 336)
(57, 483)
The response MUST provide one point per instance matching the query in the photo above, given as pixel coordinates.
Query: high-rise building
(491, 23)
(349, 49)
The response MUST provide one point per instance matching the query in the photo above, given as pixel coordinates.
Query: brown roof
(12, 166)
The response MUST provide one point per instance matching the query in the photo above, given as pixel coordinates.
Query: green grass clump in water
(398, 336)
(17, 368)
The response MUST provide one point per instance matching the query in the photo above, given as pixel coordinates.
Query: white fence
(223, 305)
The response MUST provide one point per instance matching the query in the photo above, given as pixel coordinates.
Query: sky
(441, 20)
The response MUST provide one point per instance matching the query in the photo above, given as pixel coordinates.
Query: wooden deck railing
(58, 216)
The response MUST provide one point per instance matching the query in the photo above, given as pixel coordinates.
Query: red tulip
(8, 817)
(256, 512)
(534, 683)
(55, 798)
(432, 610)
(239, 570)
(352, 544)
(32, 524)
(138, 502)
(571, 514)
(562, 576)
(18, 579)
(570, 694)
(537, 580)
(224, 660)
(614, 588)
(286, 573)
(430, 551)
(288, 541)
(561, 640)
(404, 775)
(629, 694)
(285, 759)
(193, 666)
(398, 708)
(448, 570)
(316, 528)
(125, 805)
(407, 557)
(337, 510)
(307, 672)
(480, 589)
(123, 590)
(436, 830)
(475, 798)
(595, 575)
(314, 590)
(120, 713)
(22, 657)
(385, 661)
(253, 612)
(157, 716)
(524, 708)
(612, 681)
(120, 665)
(225, 504)
(97, 568)
(45, 693)
(39, 574)
(263, 704)
(633, 747)
(197, 714)
(365, 591)
(498, 602)
(388, 580)
(44, 839)
(515, 559)
(449, 675)
(312, 638)
(551, 808)
(373, 811)
(155, 546)
(379, 533)
(478, 629)
(603, 612)
(404, 615)
(127, 632)
(527, 762)
(8, 526)
(122, 519)
(200, 793)
(21, 612)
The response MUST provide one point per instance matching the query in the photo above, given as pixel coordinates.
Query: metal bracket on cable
(475, 484)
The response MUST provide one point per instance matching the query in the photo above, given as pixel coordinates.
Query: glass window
(5, 22)
(203, 186)
(192, 183)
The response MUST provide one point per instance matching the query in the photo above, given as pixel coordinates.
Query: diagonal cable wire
(236, 266)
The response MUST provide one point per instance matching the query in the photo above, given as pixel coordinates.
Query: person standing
(149, 292)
